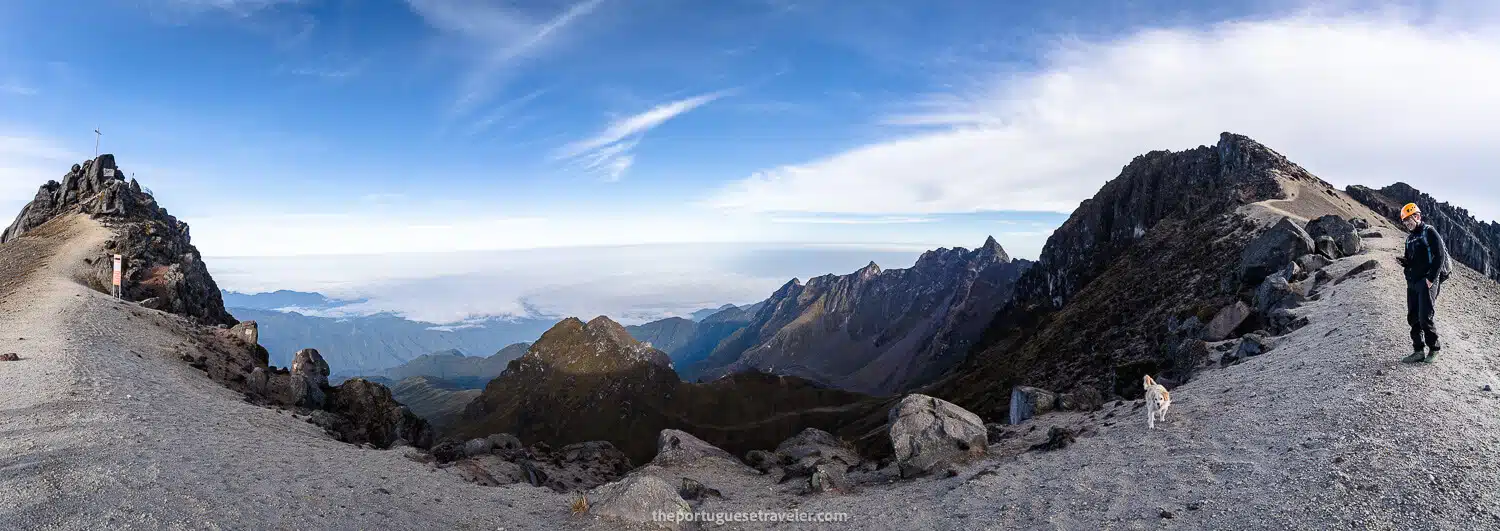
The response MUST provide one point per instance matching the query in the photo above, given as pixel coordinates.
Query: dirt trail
(102, 426)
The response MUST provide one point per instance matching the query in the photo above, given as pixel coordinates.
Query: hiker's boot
(1415, 357)
(1430, 355)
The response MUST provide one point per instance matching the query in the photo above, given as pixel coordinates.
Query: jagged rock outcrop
(308, 377)
(367, 413)
(159, 259)
(677, 447)
(1158, 244)
(1470, 242)
(1344, 234)
(592, 381)
(929, 433)
(874, 330)
(1272, 250)
(571, 468)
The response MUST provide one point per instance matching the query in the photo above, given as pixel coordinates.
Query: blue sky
(287, 128)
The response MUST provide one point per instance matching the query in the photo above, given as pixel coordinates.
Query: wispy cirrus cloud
(610, 149)
(496, 37)
(242, 8)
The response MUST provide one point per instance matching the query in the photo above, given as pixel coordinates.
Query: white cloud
(26, 162)
(610, 148)
(12, 87)
(497, 36)
(1357, 100)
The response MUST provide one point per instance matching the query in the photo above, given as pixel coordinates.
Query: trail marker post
(117, 275)
(97, 134)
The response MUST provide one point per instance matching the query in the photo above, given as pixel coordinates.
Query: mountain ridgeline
(1471, 242)
(872, 331)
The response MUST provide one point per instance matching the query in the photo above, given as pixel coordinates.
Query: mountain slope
(694, 341)
(874, 331)
(667, 335)
(434, 399)
(453, 367)
(592, 381)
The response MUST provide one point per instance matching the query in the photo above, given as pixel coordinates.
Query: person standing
(1426, 265)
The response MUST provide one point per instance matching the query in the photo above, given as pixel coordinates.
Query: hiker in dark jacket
(1426, 265)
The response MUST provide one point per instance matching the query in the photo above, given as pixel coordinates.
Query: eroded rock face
(1471, 242)
(819, 444)
(1227, 321)
(636, 498)
(928, 434)
(159, 259)
(309, 375)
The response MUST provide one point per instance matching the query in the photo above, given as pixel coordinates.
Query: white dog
(1157, 402)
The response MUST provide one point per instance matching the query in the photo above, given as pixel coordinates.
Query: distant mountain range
(873, 331)
(366, 345)
(283, 299)
(453, 367)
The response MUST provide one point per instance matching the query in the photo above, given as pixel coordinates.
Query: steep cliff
(875, 331)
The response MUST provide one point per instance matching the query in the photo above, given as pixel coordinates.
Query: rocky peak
(1159, 185)
(599, 346)
(991, 248)
(163, 270)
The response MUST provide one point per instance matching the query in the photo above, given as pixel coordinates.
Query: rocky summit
(162, 269)
(875, 331)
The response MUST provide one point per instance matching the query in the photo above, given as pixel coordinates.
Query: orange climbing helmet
(1408, 210)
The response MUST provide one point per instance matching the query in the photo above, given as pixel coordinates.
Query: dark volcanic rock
(1470, 242)
(1057, 439)
(10, 356)
(371, 415)
(876, 331)
(159, 259)
(1343, 233)
(1226, 321)
(1273, 250)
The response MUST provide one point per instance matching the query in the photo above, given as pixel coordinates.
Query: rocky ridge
(874, 330)
(1470, 242)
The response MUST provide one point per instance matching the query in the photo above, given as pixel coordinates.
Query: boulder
(640, 499)
(1344, 234)
(477, 447)
(828, 477)
(1369, 265)
(1250, 345)
(309, 375)
(1312, 262)
(10, 356)
(1272, 250)
(1371, 234)
(1084, 399)
(1277, 293)
(1227, 321)
(764, 461)
(1027, 402)
(257, 381)
(246, 331)
(1284, 321)
(996, 432)
(928, 433)
(505, 442)
(598, 459)
(447, 451)
(373, 416)
(1360, 223)
(1325, 246)
(675, 447)
(816, 443)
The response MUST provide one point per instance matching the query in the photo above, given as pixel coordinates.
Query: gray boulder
(828, 477)
(1312, 262)
(1272, 250)
(477, 447)
(1027, 402)
(1226, 321)
(309, 375)
(1277, 293)
(505, 442)
(764, 461)
(1250, 345)
(928, 433)
(1283, 321)
(816, 443)
(1344, 234)
(675, 447)
(637, 498)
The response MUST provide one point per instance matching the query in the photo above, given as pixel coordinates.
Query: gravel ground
(102, 427)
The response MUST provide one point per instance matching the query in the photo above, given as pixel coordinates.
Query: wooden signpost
(117, 260)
